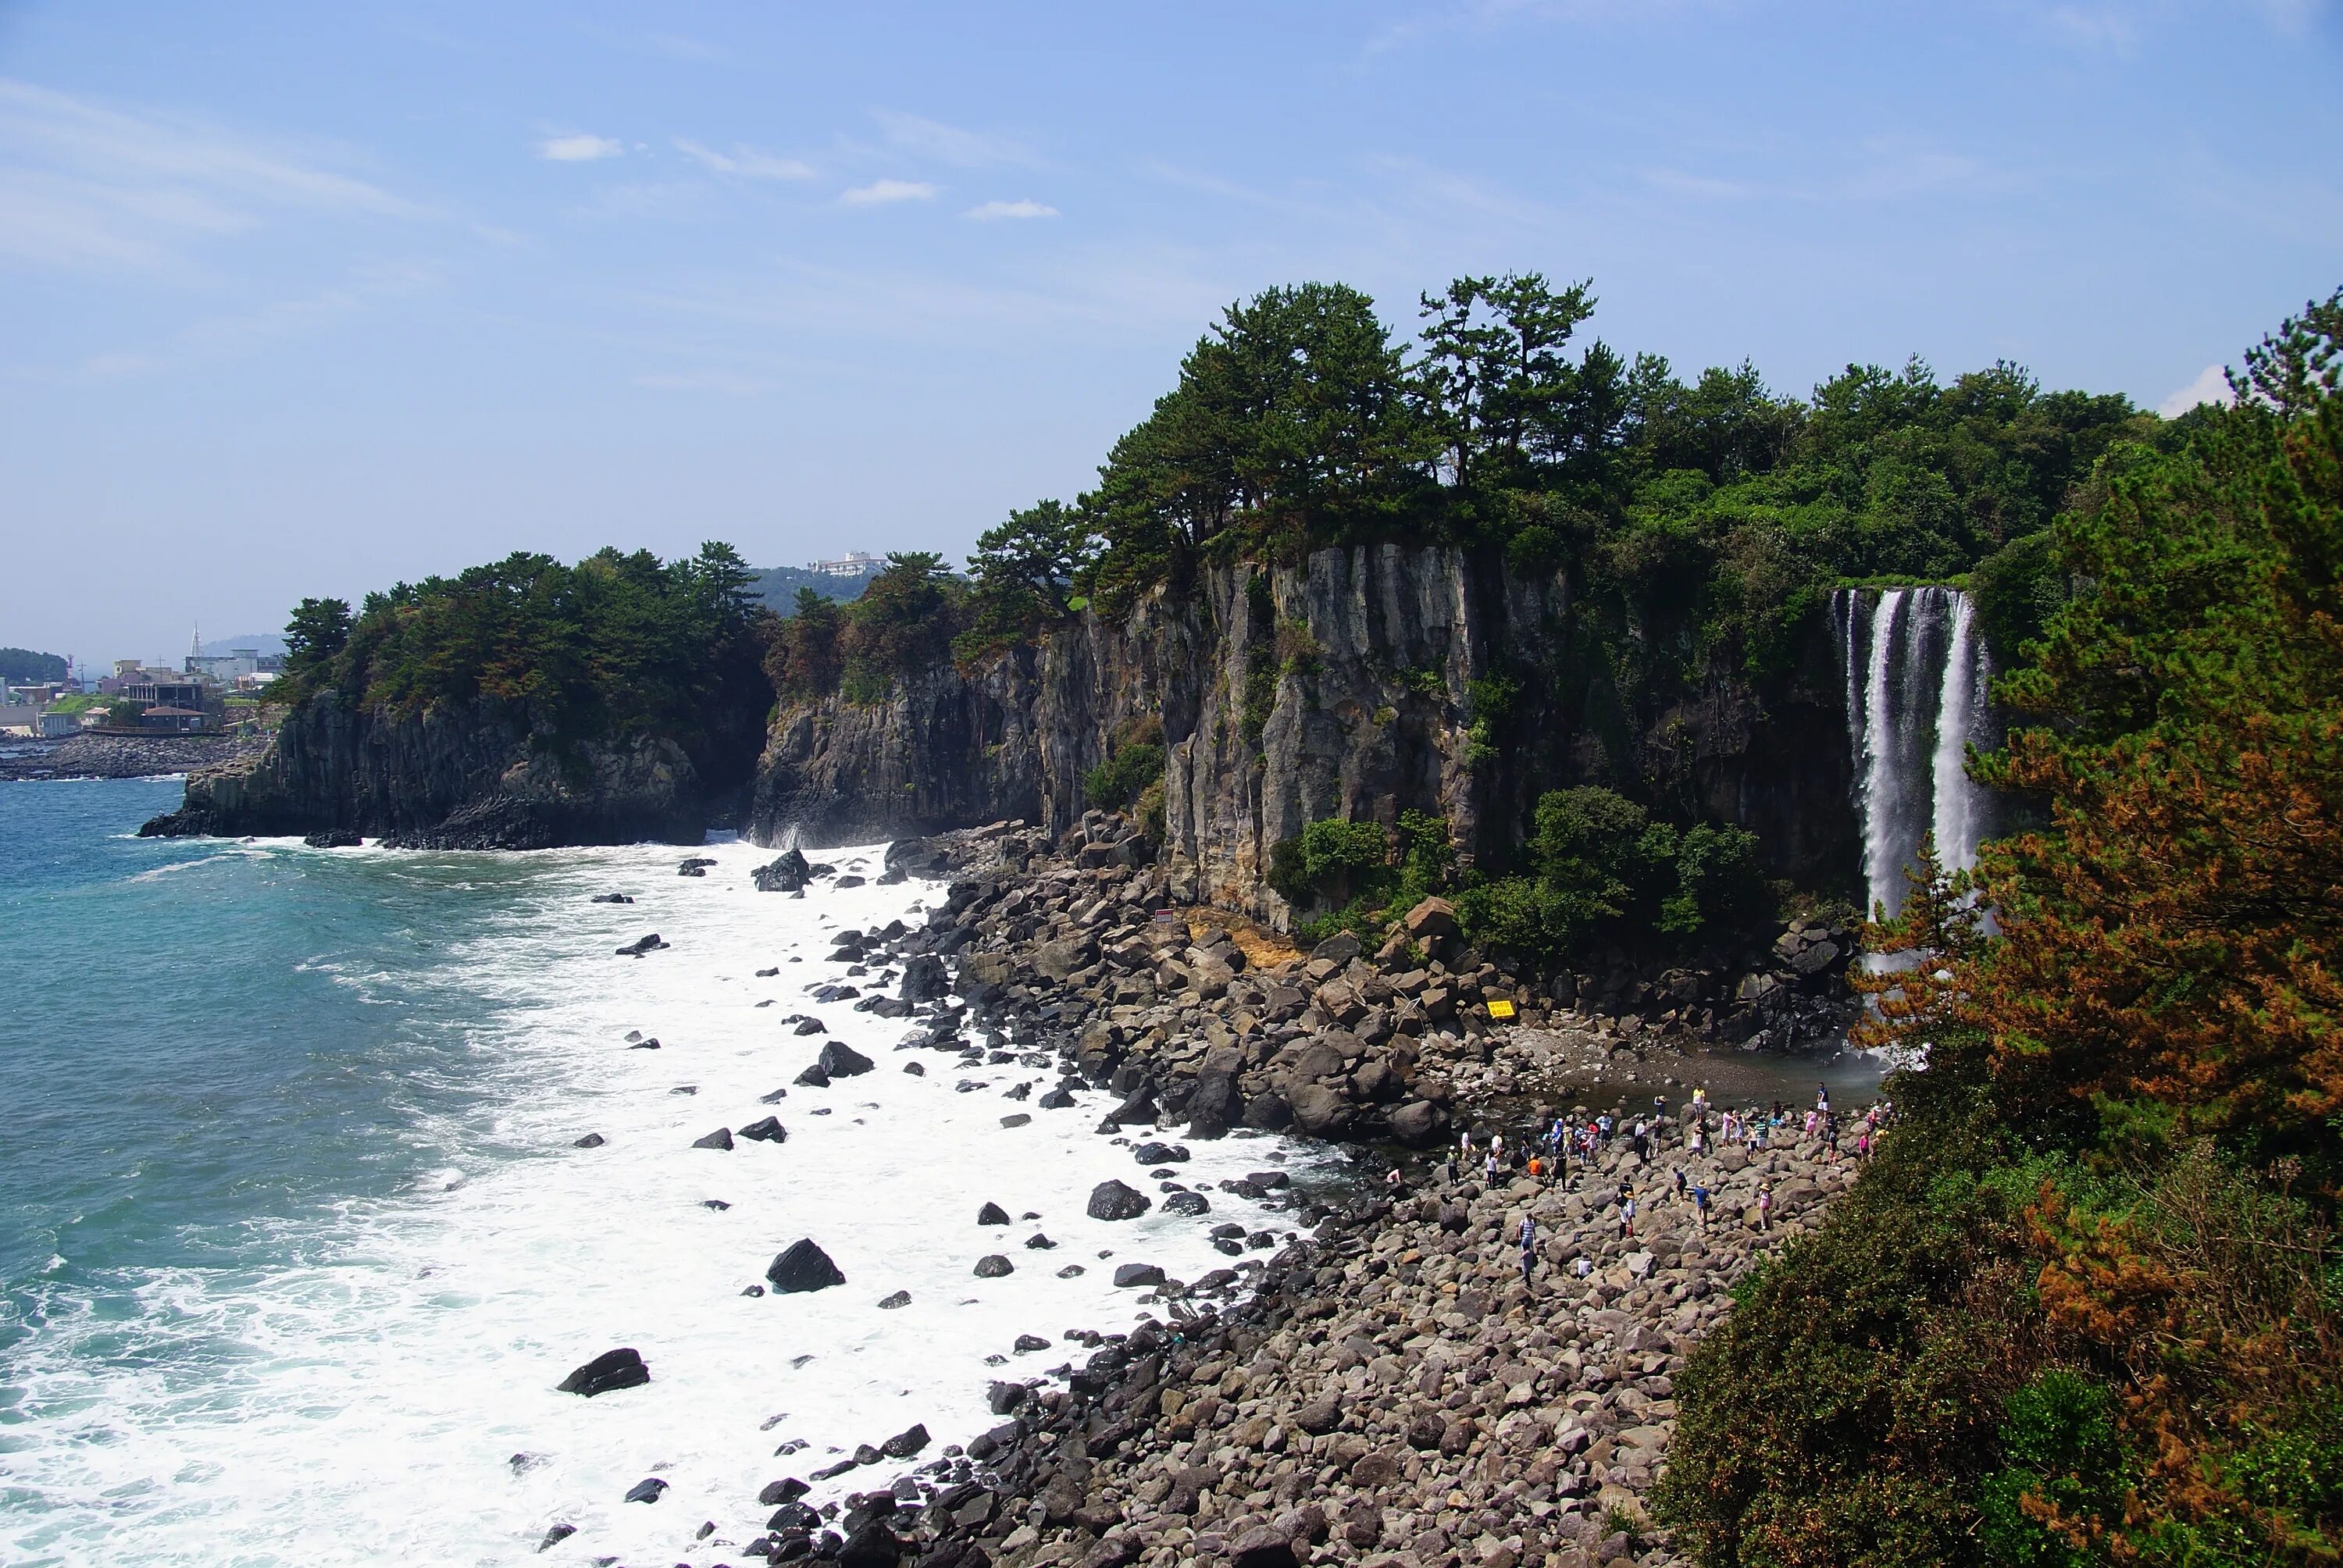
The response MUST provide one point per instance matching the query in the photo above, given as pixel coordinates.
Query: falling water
(1913, 710)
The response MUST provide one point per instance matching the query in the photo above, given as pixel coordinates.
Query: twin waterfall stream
(1916, 688)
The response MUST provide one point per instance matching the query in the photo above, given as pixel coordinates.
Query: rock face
(1376, 719)
(477, 776)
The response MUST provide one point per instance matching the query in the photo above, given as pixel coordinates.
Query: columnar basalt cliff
(478, 775)
(1361, 682)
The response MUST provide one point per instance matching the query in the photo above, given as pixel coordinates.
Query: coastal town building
(853, 564)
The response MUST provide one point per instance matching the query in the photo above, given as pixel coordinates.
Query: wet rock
(1039, 1242)
(719, 1138)
(1002, 1398)
(1188, 1203)
(1027, 1343)
(1419, 1123)
(872, 1546)
(609, 899)
(1116, 1201)
(840, 1060)
(810, 1026)
(906, 1444)
(646, 1491)
(591, 1141)
(899, 1299)
(1016, 1119)
(557, 1535)
(641, 945)
(802, 1266)
(1158, 1154)
(925, 978)
(993, 1266)
(767, 1130)
(1134, 1276)
(334, 839)
(787, 874)
(992, 1214)
(611, 1371)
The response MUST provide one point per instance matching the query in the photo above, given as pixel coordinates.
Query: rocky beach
(124, 756)
(1403, 1384)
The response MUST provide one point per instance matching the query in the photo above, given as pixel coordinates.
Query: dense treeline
(617, 645)
(2087, 1306)
(23, 664)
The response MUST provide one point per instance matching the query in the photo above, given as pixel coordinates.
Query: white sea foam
(364, 1400)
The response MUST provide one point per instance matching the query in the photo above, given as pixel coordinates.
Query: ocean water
(295, 1242)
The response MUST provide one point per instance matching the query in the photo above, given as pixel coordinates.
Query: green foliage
(616, 644)
(1601, 871)
(22, 664)
(1023, 575)
(124, 714)
(2086, 1305)
(903, 625)
(1134, 761)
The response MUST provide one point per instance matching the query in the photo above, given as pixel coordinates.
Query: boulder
(904, 1444)
(334, 839)
(1320, 1111)
(786, 875)
(1321, 1415)
(646, 1491)
(925, 978)
(841, 1061)
(803, 1267)
(872, 1546)
(1419, 1123)
(1187, 1203)
(621, 1368)
(766, 1130)
(1340, 949)
(1214, 1106)
(1135, 1276)
(813, 1077)
(899, 1299)
(719, 1138)
(993, 1266)
(591, 1141)
(992, 1214)
(1263, 1546)
(1116, 1201)
(641, 945)
(1056, 961)
(1433, 921)
(810, 1025)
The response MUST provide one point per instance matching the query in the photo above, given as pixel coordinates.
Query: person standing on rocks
(1700, 1205)
(1626, 1212)
(1821, 1098)
(1529, 1249)
(1765, 1207)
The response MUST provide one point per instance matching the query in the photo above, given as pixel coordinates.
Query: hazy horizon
(309, 301)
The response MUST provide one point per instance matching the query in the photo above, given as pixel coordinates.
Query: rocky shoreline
(125, 756)
(1402, 1386)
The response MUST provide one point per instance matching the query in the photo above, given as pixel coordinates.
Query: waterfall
(1915, 680)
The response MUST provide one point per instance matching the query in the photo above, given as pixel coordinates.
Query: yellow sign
(1501, 1007)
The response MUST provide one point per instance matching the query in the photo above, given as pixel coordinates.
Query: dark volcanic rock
(786, 875)
(841, 1061)
(609, 899)
(1117, 1201)
(803, 1267)
(899, 1299)
(904, 1444)
(1131, 1276)
(646, 1491)
(811, 1026)
(591, 1141)
(812, 1077)
(641, 945)
(1187, 1203)
(768, 1130)
(621, 1368)
(992, 1214)
(334, 838)
(925, 978)
(719, 1138)
(557, 1535)
(993, 1266)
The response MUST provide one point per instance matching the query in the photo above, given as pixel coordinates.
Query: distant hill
(261, 643)
(779, 585)
(23, 664)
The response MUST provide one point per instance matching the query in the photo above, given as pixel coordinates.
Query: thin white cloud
(950, 144)
(2211, 386)
(88, 184)
(579, 150)
(744, 162)
(878, 192)
(239, 336)
(989, 211)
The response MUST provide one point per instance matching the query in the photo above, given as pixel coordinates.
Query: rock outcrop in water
(451, 778)
(1361, 682)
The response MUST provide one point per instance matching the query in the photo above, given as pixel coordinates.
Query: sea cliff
(477, 776)
(1360, 682)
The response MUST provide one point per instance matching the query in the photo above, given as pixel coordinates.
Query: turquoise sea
(296, 1239)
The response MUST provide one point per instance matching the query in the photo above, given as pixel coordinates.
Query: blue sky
(311, 298)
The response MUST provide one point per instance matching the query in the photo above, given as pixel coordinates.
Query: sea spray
(382, 1369)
